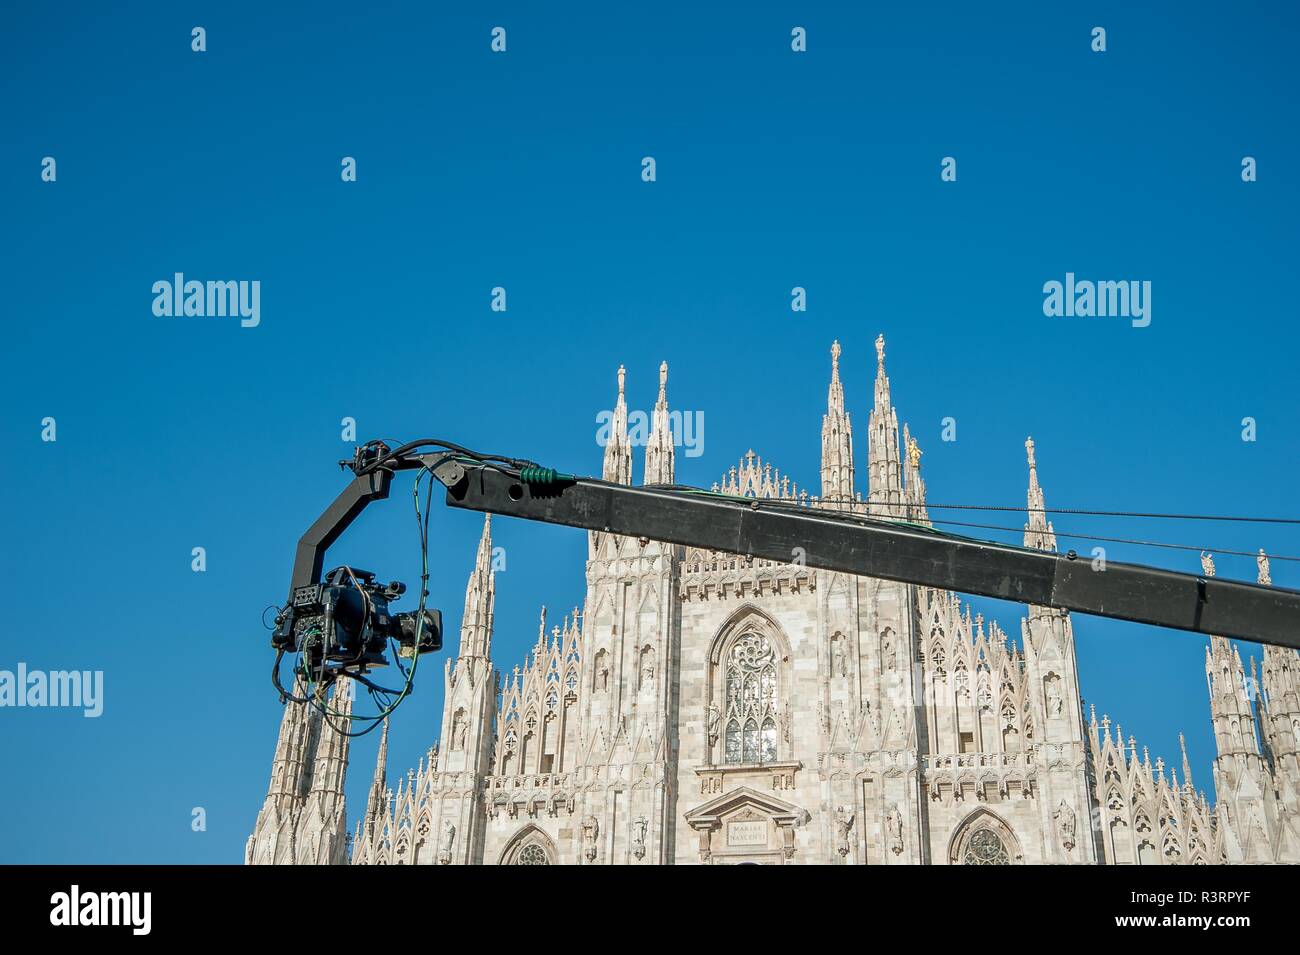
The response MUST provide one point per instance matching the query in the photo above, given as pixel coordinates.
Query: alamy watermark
(128, 909)
(1084, 298)
(63, 688)
(210, 299)
(686, 428)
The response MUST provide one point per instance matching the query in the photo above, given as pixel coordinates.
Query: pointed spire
(1187, 767)
(381, 761)
(914, 486)
(837, 441)
(375, 801)
(883, 464)
(294, 749)
(659, 453)
(1039, 533)
(1231, 709)
(618, 450)
(330, 766)
(480, 598)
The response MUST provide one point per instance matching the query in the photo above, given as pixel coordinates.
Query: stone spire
(618, 450)
(1039, 533)
(294, 750)
(376, 801)
(1239, 769)
(480, 597)
(1187, 766)
(1279, 715)
(914, 487)
(273, 840)
(884, 466)
(659, 453)
(322, 830)
(330, 766)
(1242, 780)
(837, 441)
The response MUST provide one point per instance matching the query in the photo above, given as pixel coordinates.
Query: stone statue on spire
(880, 351)
(1261, 563)
(1207, 563)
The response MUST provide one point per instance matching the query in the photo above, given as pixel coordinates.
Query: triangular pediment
(712, 812)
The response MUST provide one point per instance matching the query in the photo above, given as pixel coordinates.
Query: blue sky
(522, 170)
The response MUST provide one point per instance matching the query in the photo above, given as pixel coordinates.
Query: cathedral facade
(702, 707)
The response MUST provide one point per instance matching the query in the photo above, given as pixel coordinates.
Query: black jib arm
(828, 540)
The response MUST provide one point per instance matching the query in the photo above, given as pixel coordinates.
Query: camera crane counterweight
(756, 528)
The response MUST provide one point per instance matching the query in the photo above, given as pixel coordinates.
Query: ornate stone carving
(712, 721)
(1263, 575)
(1065, 825)
(647, 668)
(590, 830)
(446, 843)
(843, 826)
(839, 655)
(1052, 690)
(639, 828)
(894, 829)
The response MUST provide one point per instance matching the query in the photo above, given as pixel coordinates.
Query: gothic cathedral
(706, 708)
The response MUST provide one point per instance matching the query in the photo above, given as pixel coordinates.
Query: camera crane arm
(767, 529)
(856, 544)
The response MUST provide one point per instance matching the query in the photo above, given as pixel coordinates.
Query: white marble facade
(705, 708)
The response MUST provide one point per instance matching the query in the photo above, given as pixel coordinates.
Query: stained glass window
(751, 698)
(986, 848)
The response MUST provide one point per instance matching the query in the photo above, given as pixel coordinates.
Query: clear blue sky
(523, 170)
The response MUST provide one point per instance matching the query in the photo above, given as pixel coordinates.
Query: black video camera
(344, 623)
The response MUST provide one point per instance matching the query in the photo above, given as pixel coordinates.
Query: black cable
(410, 446)
(422, 525)
(1084, 511)
(1122, 540)
(867, 520)
(331, 676)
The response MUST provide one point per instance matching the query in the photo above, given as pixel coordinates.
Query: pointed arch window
(984, 839)
(751, 701)
(531, 846)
